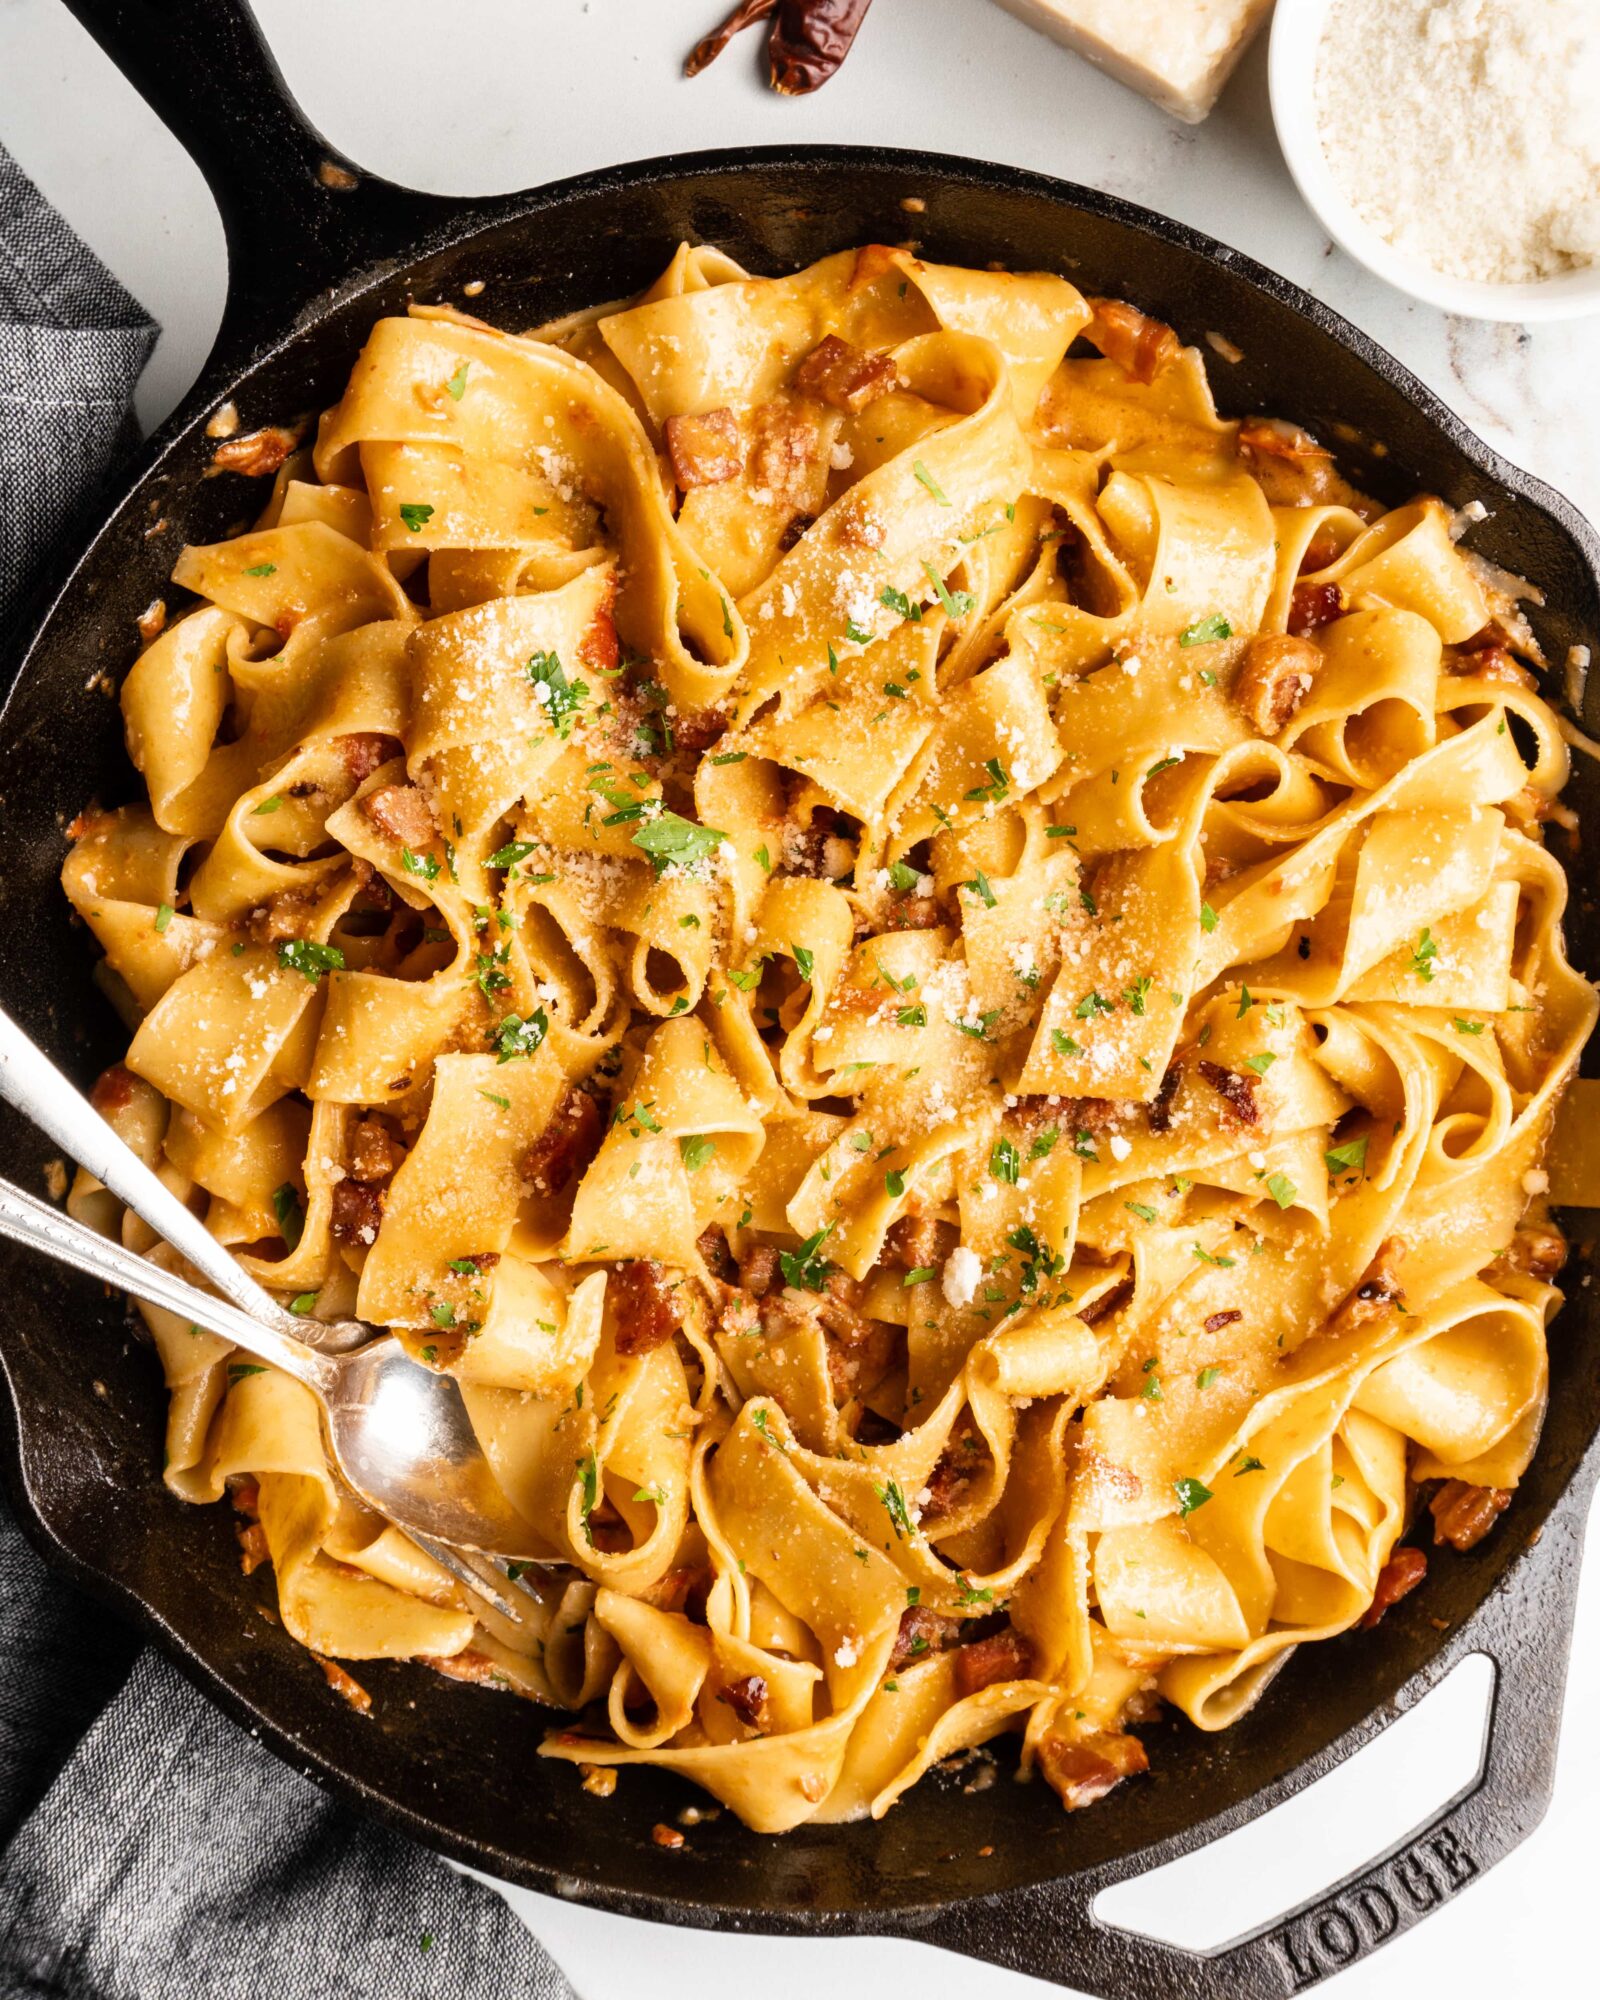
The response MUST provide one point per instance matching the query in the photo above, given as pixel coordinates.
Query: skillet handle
(1525, 1627)
(298, 216)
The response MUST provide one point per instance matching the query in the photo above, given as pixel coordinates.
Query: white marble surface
(478, 96)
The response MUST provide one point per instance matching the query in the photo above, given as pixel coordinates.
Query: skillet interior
(447, 1762)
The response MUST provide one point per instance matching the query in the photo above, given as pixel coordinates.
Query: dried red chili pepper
(808, 41)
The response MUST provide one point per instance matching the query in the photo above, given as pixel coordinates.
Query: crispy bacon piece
(644, 1306)
(747, 1697)
(1274, 680)
(1540, 1253)
(845, 376)
(921, 1242)
(782, 459)
(477, 1669)
(1319, 552)
(1313, 605)
(1290, 466)
(600, 647)
(113, 1090)
(914, 913)
(1082, 1772)
(253, 1550)
(402, 812)
(684, 1589)
(345, 1684)
(760, 1273)
(716, 1256)
(1236, 1091)
(1463, 1514)
(286, 915)
(366, 752)
(1006, 1656)
(1218, 1320)
(599, 1780)
(152, 621)
(1108, 1303)
(704, 450)
(257, 454)
(374, 1150)
(357, 1212)
(666, 1836)
(698, 728)
(1159, 1110)
(1378, 1290)
(374, 893)
(565, 1146)
(1399, 1576)
(958, 1466)
(1139, 345)
(922, 1632)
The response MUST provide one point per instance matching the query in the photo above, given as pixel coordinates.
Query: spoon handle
(31, 1082)
(40, 1227)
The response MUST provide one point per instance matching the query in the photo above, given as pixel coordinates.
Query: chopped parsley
(424, 865)
(1208, 917)
(1191, 1494)
(513, 1038)
(1204, 630)
(925, 478)
(1422, 958)
(669, 838)
(805, 1269)
(164, 915)
(509, 855)
(804, 960)
(1063, 1044)
(561, 698)
(291, 1216)
(456, 387)
(1350, 1157)
(958, 604)
(416, 514)
(903, 876)
(1282, 1190)
(696, 1149)
(305, 956)
(979, 885)
(1005, 1163)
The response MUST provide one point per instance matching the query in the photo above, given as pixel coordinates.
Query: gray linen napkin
(149, 1850)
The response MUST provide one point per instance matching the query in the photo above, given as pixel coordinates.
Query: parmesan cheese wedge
(1178, 53)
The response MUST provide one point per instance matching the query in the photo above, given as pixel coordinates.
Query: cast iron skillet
(1001, 1873)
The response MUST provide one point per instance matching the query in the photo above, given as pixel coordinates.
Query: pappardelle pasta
(931, 972)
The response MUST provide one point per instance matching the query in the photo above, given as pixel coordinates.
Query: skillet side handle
(1525, 1627)
(298, 216)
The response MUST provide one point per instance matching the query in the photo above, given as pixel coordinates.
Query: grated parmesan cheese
(1467, 132)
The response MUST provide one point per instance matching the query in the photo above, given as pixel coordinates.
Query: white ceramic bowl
(1292, 76)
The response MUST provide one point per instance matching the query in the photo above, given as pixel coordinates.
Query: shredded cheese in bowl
(1466, 133)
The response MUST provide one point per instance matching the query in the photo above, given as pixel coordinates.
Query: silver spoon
(399, 1435)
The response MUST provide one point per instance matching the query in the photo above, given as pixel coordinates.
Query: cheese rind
(1178, 53)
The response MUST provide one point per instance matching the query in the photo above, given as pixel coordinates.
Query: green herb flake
(1191, 1494)
(669, 839)
(1005, 1163)
(1205, 630)
(291, 1216)
(697, 1150)
(1351, 1157)
(164, 915)
(513, 1038)
(307, 957)
(925, 478)
(416, 514)
(1282, 1190)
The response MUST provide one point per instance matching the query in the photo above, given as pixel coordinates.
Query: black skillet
(1001, 1873)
